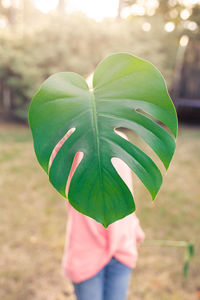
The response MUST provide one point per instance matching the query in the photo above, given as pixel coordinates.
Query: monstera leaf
(127, 92)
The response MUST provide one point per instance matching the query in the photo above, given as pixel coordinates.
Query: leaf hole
(59, 145)
(132, 137)
(120, 166)
(144, 113)
(76, 161)
(119, 131)
(123, 171)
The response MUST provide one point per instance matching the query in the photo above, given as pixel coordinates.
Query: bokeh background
(39, 38)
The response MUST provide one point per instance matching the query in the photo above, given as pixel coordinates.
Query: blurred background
(39, 38)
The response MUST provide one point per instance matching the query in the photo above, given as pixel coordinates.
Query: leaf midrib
(96, 133)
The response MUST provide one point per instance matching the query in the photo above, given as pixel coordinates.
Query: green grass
(33, 220)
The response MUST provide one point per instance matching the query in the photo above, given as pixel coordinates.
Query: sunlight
(169, 26)
(46, 6)
(100, 9)
(146, 26)
(95, 9)
(184, 40)
(185, 14)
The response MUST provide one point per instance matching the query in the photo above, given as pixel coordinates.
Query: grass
(33, 220)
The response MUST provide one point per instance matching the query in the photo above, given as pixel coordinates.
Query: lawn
(33, 220)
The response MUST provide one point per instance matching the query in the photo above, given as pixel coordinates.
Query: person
(99, 260)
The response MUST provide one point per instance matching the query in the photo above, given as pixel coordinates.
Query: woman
(98, 261)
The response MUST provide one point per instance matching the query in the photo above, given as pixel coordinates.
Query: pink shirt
(89, 246)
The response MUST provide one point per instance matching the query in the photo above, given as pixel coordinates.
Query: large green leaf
(127, 92)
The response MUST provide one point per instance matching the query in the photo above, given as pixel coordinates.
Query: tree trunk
(61, 7)
(120, 6)
(1, 95)
(190, 75)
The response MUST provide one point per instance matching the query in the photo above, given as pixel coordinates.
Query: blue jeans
(110, 283)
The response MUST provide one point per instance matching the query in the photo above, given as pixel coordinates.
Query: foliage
(126, 91)
(76, 44)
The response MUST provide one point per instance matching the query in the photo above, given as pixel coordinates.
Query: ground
(33, 220)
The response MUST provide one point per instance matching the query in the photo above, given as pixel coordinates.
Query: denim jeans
(110, 283)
